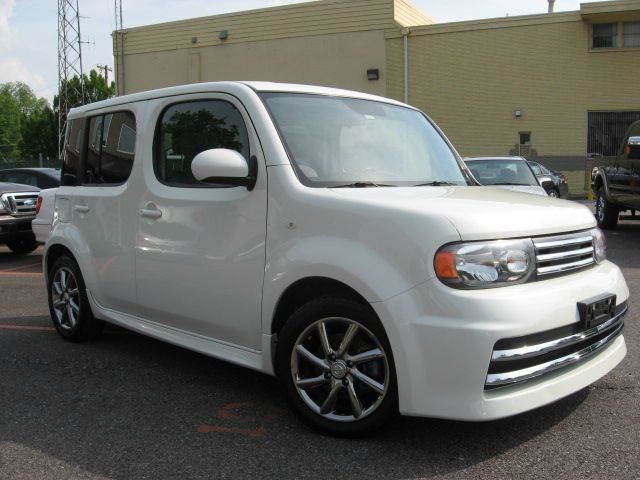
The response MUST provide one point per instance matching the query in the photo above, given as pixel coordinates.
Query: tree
(95, 89)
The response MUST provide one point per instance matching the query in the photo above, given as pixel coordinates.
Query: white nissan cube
(333, 239)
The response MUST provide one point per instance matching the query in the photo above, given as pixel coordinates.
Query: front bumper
(12, 226)
(443, 340)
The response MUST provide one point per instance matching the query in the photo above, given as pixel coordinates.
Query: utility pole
(69, 63)
(118, 37)
(105, 69)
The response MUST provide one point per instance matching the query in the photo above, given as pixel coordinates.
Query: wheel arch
(306, 289)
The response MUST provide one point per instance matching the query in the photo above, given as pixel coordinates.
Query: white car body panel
(215, 290)
(526, 189)
(41, 225)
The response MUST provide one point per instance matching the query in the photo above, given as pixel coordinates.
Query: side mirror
(546, 182)
(224, 166)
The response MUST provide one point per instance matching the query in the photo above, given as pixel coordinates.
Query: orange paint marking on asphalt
(250, 432)
(26, 327)
(21, 267)
(6, 273)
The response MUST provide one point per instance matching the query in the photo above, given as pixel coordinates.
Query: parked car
(511, 173)
(36, 177)
(558, 185)
(17, 209)
(616, 183)
(41, 225)
(365, 273)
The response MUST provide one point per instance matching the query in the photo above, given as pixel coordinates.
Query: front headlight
(599, 245)
(486, 264)
(4, 207)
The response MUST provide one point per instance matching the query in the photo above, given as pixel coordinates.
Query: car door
(631, 156)
(102, 209)
(200, 248)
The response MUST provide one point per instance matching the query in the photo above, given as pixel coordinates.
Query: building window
(605, 35)
(631, 34)
(525, 138)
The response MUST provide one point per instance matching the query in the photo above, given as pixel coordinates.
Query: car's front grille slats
(516, 360)
(562, 253)
(21, 204)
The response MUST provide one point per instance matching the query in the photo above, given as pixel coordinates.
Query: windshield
(334, 141)
(502, 172)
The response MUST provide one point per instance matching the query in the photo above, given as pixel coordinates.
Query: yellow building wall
(339, 60)
(470, 78)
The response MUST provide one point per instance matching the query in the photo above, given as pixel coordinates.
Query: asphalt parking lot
(129, 407)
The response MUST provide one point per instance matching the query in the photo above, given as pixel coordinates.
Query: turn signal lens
(599, 245)
(445, 265)
(38, 204)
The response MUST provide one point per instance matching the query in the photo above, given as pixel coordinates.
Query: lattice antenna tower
(69, 63)
(118, 38)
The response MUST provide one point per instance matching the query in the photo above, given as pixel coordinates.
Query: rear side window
(110, 148)
(74, 136)
(188, 128)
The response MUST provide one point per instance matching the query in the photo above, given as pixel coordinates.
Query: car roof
(221, 86)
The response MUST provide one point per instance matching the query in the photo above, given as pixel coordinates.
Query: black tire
(85, 326)
(22, 244)
(376, 413)
(606, 213)
(553, 193)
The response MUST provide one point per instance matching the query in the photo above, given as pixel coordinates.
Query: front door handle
(81, 208)
(150, 212)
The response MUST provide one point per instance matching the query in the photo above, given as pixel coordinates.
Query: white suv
(334, 239)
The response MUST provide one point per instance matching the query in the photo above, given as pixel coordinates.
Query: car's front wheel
(335, 362)
(23, 244)
(68, 303)
(606, 213)
(553, 193)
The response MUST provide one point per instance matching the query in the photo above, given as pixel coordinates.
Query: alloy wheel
(65, 298)
(340, 369)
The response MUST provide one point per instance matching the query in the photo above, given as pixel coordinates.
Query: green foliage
(28, 124)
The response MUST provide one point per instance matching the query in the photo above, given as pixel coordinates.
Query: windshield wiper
(435, 183)
(362, 185)
(516, 184)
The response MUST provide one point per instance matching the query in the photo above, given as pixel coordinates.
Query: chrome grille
(516, 360)
(20, 204)
(562, 253)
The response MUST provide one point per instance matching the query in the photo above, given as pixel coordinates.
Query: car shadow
(129, 406)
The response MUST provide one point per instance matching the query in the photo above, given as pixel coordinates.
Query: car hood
(16, 187)
(480, 213)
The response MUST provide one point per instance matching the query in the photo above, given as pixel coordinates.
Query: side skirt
(246, 357)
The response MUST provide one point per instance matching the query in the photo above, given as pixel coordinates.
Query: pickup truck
(17, 210)
(616, 181)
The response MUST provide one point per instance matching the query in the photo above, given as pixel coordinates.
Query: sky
(28, 28)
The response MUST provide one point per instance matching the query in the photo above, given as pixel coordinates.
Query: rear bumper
(443, 341)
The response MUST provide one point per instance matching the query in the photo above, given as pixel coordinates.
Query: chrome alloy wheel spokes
(340, 369)
(600, 208)
(65, 298)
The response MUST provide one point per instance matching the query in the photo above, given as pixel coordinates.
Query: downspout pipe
(405, 64)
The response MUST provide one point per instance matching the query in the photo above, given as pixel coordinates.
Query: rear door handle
(150, 212)
(81, 208)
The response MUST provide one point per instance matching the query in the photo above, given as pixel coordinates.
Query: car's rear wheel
(23, 244)
(553, 193)
(68, 304)
(606, 213)
(335, 362)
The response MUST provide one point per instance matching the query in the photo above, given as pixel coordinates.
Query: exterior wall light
(223, 35)
(373, 74)
(194, 39)
(518, 113)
